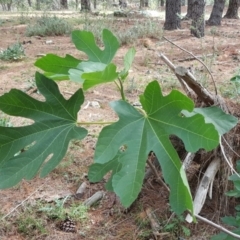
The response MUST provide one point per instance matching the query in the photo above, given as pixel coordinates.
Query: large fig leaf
(139, 132)
(85, 42)
(97, 69)
(109, 74)
(56, 67)
(223, 122)
(46, 140)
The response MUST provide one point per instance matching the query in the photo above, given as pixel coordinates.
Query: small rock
(95, 104)
(49, 41)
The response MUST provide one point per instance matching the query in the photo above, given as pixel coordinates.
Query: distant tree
(29, 3)
(198, 22)
(216, 14)
(38, 4)
(189, 10)
(85, 5)
(162, 3)
(9, 5)
(232, 11)
(64, 4)
(172, 12)
(143, 3)
(6, 5)
(123, 3)
(76, 4)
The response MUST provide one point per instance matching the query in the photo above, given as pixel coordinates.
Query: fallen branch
(198, 59)
(81, 190)
(193, 58)
(93, 199)
(153, 221)
(159, 179)
(203, 188)
(187, 90)
(190, 80)
(217, 226)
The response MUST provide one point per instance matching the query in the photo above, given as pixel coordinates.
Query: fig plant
(123, 146)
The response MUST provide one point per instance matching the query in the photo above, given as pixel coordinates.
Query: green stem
(121, 90)
(119, 87)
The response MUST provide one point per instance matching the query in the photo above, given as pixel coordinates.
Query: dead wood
(81, 190)
(193, 58)
(188, 81)
(154, 223)
(93, 199)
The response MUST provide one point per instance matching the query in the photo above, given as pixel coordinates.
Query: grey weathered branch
(198, 59)
(81, 190)
(204, 187)
(93, 199)
(217, 226)
(185, 76)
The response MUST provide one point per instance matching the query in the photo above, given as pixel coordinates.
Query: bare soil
(219, 49)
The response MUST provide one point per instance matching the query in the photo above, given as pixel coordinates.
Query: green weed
(14, 52)
(57, 210)
(49, 26)
(176, 227)
(30, 226)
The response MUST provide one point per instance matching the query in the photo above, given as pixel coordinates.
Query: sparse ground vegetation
(107, 220)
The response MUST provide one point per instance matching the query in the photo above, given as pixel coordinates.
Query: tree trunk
(123, 3)
(216, 14)
(9, 5)
(38, 4)
(29, 3)
(232, 11)
(143, 3)
(172, 19)
(85, 5)
(189, 10)
(76, 4)
(198, 22)
(95, 4)
(162, 3)
(64, 4)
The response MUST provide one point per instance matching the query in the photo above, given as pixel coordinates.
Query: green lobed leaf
(85, 67)
(141, 133)
(97, 171)
(46, 139)
(224, 236)
(128, 60)
(235, 79)
(109, 74)
(56, 66)
(223, 122)
(84, 41)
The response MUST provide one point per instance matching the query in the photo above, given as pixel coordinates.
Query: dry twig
(198, 59)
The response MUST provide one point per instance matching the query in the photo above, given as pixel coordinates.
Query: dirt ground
(219, 49)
